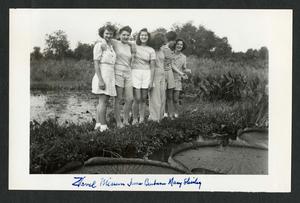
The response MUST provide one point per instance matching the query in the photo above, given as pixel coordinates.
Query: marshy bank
(219, 98)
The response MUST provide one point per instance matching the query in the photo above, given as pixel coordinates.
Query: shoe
(97, 126)
(134, 122)
(176, 115)
(165, 115)
(103, 128)
(120, 125)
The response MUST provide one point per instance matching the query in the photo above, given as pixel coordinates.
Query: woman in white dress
(103, 83)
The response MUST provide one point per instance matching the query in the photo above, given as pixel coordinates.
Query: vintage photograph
(118, 92)
(150, 99)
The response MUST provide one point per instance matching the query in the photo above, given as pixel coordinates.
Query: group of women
(132, 71)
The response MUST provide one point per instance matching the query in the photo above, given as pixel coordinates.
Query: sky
(244, 28)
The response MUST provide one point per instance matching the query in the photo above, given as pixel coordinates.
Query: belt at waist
(107, 63)
(122, 67)
(139, 68)
(167, 68)
(117, 64)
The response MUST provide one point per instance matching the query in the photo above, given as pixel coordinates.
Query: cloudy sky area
(244, 28)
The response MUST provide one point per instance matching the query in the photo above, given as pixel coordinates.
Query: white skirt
(108, 75)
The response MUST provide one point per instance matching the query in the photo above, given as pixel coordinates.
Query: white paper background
(280, 102)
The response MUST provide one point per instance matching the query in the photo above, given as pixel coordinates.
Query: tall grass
(68, 74)
(72, 74)
(224, 80)
(203, 67)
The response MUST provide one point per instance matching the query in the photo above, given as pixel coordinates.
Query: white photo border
(280, 119)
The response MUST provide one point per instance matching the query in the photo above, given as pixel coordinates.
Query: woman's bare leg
(117, 108)
(136, 102)
(176, 102)
(101, 109)
(128, 103)
(143, 104)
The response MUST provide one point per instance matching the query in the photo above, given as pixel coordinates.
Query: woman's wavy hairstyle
(138, 40)
(108, 27)
(125, 28)
(179, 40)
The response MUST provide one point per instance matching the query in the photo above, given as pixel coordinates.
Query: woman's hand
(184, 76)
(101, 85)
(188, 71)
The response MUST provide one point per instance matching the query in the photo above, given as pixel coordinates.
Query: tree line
(200, 42)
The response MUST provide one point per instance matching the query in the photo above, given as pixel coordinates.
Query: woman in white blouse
(142, 74)
(103, 83)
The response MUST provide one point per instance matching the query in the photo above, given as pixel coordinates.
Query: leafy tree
(57, 45)
(159, 30)
(202, 42)
(252, 54)
(263, 53)
(36, 54)
(83, 51)
(222, 49)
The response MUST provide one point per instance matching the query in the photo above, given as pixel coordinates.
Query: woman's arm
(98, 72)
(185, 69)
(177, 71)
(133, 52)
(97, 52)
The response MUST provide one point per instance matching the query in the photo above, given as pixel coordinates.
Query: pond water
(72, 106)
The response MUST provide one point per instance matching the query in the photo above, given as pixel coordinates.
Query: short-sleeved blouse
(159, 62)
(144, 54)
(168, 57)
(107, 56)
(178, 61)
(123, 52)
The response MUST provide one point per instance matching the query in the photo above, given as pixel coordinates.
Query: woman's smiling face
(144, 37)
(108, 35)
(124, 36)
(179, 46)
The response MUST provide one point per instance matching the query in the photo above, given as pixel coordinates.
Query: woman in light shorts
(142, 74)
(123, 75)
(179, 70)
(103, 83)
(157, 97)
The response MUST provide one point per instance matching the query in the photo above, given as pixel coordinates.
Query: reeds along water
(70, 73)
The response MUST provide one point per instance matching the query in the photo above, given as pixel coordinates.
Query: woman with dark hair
(103, 83)
(157, 97)
(179, 71)
(123, 74)
(142, 74)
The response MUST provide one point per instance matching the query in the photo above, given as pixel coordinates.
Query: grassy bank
(53, 145)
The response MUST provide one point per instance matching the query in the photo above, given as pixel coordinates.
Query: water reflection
(76, 107)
